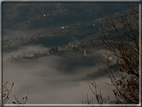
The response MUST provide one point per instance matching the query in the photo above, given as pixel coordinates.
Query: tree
(6, 90)
(123, 42)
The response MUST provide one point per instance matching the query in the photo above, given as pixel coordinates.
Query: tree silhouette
(6, 90)
(123, 42)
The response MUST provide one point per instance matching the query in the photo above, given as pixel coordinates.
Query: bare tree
(123, 42)
(6, 90)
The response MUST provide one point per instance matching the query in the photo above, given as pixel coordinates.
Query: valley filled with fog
(52, 50)
(56, 79)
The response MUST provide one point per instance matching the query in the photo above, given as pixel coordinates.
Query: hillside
(22, 16)
(82, 34)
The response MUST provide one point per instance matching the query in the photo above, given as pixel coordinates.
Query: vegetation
(6, 90)
(44, 15)
(81, 31)
(126, 78)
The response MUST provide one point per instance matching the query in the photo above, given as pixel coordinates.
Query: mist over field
(49, 79)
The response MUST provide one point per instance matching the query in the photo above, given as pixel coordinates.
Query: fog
(53, 79)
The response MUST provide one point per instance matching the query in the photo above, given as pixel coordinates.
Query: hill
(23, 16)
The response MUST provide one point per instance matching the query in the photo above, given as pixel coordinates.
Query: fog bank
(49, 80)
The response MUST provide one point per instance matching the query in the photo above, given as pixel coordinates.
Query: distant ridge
(22, 16)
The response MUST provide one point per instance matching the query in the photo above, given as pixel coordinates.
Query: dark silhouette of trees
(6, 90)
(123, 42)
